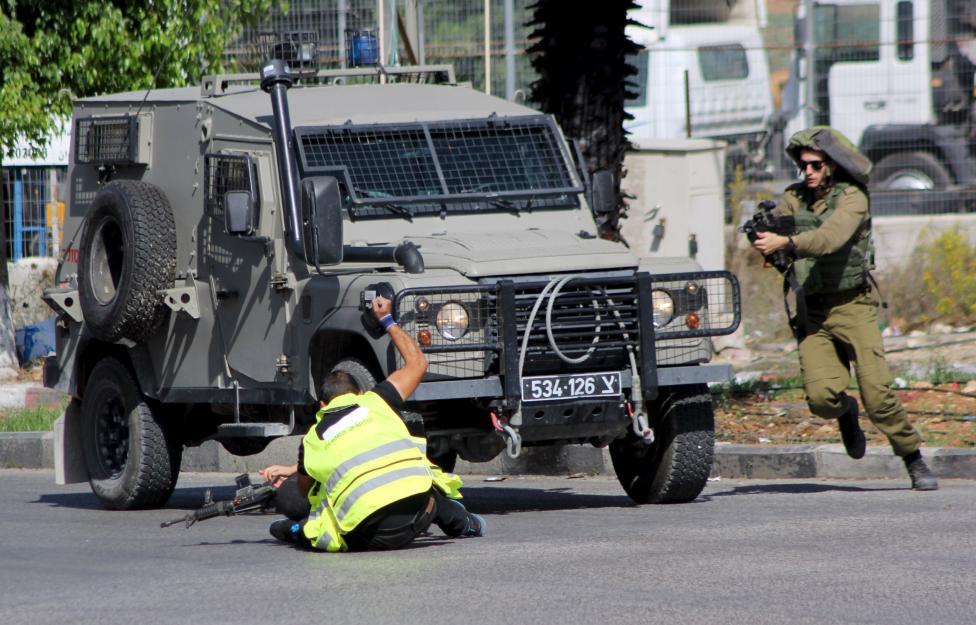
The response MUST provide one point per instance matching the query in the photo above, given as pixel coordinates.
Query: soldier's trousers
(840, 334)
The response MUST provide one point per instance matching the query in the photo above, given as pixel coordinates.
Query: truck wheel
(133, 462)
(907, 171)
(128, 254)
(676, 466)
(358, 370)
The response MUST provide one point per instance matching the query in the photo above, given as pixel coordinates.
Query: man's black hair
(338, 383)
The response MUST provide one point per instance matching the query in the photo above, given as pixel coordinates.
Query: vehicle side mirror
(240, 211)
(322, 220)
(603, 195)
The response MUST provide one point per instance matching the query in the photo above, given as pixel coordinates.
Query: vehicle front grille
(591, 320)
(595, 320)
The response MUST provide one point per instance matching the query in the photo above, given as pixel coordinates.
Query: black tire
(676, 466)
(128, 254)
(133, 461)
(910, 170)
(363, 375)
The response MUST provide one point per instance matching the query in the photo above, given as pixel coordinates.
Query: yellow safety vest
(363, 459)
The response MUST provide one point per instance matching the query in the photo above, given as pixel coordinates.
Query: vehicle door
(250, 311)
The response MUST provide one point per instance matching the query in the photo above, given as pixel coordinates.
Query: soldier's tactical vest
(363, 459)
(843, 270)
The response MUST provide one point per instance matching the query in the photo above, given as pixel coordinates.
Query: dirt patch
(936, 371)
(942, 416)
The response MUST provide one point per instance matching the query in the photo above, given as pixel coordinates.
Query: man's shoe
(475, 527)
(922, 477)
(286, 531)
(850, 430)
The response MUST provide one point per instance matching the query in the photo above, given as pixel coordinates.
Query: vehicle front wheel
(133, 461)
(675, 467)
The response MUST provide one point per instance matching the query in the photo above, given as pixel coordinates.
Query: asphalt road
(559, 551)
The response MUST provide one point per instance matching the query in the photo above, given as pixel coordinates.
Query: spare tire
(128, 254)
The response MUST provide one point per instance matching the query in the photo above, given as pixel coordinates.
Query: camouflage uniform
(834, 256)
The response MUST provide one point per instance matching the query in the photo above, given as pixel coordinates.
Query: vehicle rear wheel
(133, 461)
(908, 171)
(676, 466)
(128, 254)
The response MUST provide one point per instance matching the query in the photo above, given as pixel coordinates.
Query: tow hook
(639, 424)
(513, 442)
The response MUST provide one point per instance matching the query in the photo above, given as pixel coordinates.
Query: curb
(29, 395)
(35, 450)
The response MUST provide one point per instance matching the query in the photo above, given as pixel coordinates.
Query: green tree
(52, 52)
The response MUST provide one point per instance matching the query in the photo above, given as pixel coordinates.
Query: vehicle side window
(639, 81)
(848, 34)
(227, 172)
(905, 34)
(726, 62)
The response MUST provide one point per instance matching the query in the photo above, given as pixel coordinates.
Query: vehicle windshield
(491, 164)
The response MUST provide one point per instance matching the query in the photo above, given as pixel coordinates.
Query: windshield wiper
(509, 205)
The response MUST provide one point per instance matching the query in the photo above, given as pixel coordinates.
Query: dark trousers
(391, 527)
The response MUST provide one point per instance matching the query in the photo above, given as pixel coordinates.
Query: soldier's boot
(922, 476)
(850, 430)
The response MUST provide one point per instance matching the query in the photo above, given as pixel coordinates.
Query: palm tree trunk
(580, 54)
(9, 364)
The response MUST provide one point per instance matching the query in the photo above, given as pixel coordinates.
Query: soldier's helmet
(834, 144)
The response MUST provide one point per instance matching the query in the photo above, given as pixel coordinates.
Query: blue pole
(18, 216)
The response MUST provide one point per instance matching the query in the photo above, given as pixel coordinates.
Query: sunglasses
(817, 165)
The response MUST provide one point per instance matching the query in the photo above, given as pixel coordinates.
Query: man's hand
(381, 307)
(770, 242)
(278, 473)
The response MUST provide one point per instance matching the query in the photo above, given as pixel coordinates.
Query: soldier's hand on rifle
(278, 473)
(770, 242)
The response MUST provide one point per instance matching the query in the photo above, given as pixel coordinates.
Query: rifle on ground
(248, 498)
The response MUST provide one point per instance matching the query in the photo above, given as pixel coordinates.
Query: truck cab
(702, 73)
(228, 238)
(893, 77)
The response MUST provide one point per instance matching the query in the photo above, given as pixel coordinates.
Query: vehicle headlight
(663, 307)
(452, 320)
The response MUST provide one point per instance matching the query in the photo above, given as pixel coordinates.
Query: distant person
(833, 253)
(362, 482)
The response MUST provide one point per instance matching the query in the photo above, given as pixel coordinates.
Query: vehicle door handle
(875, 105)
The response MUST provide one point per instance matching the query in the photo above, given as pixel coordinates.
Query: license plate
(573, 386)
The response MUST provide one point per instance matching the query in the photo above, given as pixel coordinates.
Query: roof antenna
(159, 69)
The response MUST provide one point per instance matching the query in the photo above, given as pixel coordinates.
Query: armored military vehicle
(225, 240)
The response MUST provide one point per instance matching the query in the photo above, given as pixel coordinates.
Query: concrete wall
(676, 183)
(895, 238)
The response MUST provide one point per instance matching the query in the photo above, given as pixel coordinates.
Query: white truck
(702, 74)
(896, 77)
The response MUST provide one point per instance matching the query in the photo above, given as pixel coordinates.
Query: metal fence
(749, 72)
(459, 32)
(34, 209)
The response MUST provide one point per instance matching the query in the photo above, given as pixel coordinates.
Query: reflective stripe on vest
(375, 483)
(363, 458)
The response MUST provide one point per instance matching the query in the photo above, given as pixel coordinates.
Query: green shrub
(949, 272)
(29, 419)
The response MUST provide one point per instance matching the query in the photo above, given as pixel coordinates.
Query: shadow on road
(502, 500)
(791, 489)
(187, 498)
